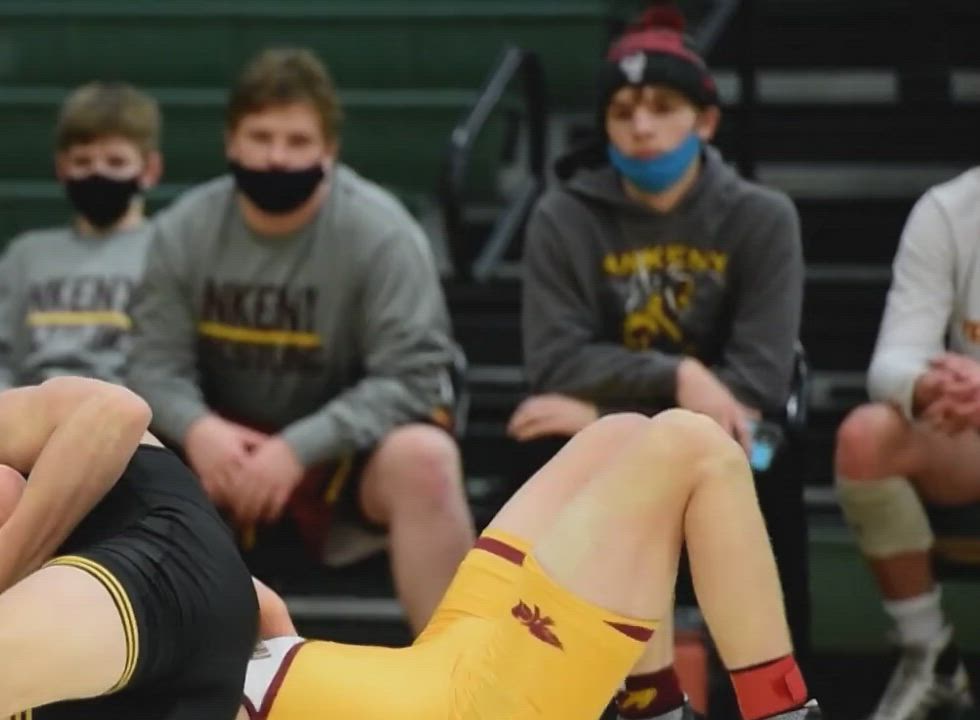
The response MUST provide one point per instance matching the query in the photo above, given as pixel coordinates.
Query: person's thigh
(64, 633)
(206, 626)
(333, 680)
(193, 608)
(946, 468)
(483, 584)
(533, 508)
(550, 654)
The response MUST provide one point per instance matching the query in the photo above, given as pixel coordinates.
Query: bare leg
(274, 619)
(886, 466)
(659, 652)
(612, 551)
(483, 585)
(413, 485)
(532, 511)
(876, 442)
(617, 542)
(61, 637)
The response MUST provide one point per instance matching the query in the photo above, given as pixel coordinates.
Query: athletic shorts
(190, 615)
(327, 491)
(531, 651)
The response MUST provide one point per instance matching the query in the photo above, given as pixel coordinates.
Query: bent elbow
(131, 410)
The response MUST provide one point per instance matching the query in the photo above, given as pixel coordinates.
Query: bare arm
(274, 620)
(72, 437)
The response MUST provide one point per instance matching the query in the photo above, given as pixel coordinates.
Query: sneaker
(916, 688)
(810, 711)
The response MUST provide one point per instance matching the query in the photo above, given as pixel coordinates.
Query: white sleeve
(918, 308)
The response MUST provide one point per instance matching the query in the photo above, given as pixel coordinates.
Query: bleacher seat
(379, 44)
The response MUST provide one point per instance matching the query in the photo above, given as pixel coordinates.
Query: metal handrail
(469, 260)
(711, 27)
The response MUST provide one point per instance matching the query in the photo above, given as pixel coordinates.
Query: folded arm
(72, 438)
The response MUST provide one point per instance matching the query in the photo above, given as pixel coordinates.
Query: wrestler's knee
(692, 444)
(689, 432)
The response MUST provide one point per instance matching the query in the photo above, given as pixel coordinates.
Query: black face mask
(101, 200)
(277, 191)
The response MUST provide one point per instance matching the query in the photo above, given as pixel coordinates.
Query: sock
(770, 688)
(650, 695)
(919, 620)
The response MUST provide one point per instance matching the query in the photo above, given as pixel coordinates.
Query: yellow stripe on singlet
(123, 605)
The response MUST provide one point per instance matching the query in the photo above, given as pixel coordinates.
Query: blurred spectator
(918, 438)
(293, 340)
(65, 292)
(656, 277)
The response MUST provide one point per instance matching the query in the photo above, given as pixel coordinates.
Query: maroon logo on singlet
(540, 626)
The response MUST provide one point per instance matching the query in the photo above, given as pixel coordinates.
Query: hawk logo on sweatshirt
(658, 287)
(261, 327)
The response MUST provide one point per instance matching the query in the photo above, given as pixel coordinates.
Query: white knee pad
(887, 516)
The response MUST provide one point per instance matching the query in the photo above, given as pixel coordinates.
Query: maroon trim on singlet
(277, 680)
(500, 549)
(637, 632)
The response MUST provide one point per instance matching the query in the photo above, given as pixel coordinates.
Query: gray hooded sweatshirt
(332, 336)
(616, 294)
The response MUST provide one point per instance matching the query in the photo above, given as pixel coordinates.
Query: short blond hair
(283, 76)
(103, 109)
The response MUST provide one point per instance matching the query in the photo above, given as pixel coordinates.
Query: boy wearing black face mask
(65, 292)
(293, 340)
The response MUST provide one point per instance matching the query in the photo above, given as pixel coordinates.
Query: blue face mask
(659, 173)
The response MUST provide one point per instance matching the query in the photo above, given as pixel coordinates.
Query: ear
(707, 123)
(153, 171)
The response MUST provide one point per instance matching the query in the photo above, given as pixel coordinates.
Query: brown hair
(281, 77)
(101, 109)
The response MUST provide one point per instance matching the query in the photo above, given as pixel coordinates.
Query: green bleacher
(379, 44)
(407, 71)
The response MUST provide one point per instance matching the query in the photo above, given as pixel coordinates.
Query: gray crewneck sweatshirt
(332, 336)
(616, 294)
(64, 304)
